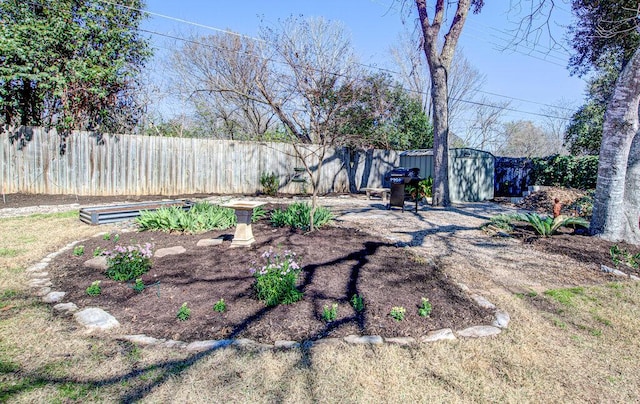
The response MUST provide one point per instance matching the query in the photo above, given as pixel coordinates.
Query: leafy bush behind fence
(565, 171)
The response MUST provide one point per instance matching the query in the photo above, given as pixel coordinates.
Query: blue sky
(525, 73)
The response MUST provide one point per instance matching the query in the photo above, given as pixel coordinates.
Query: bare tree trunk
(618, 131)
(439, 61)
(439, 92)
(632, 194)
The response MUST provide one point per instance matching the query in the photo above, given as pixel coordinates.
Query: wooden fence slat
(140, 165)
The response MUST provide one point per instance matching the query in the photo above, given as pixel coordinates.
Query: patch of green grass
(565, 296)
(7, 365)
(9, 252)
(559, 323)
(615, 285)
(58, 215)
(522, 295)
(74, 391)
(9, 294)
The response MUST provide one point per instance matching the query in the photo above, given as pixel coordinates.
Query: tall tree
(70, 64)
(464, 80)
(207, 67)
(584, 132)
(383, 115)
(439, 60)
(604, 28)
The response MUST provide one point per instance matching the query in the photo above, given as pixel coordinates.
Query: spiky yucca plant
(546, 225)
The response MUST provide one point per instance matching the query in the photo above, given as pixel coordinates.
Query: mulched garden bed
(337, 263)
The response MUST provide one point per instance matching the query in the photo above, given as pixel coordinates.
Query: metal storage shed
(471, 171)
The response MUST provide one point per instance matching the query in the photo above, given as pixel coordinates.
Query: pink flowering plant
(125, 263)
(276, 280)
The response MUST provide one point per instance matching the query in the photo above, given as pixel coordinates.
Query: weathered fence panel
(146, 165)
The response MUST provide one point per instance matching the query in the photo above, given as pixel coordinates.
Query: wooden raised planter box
(118, 213)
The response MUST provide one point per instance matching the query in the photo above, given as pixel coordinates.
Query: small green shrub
(98, 251)
(565, 296)
(258, 214)
(202, 216)
(127, 263)
(220, 306)
(546, 226)
(423, 189)
(357, 302)
(94, 289)
(398, 313)
(106, 236)
(138, 285)
(619, 256)
(184, 312)
(270, 183)
(425, 308)
(330, 314)
(276, 281)
(503, 222)
(78, 250)
(297, 215)
(565, 171)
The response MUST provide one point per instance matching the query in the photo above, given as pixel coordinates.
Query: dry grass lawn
(585, 350)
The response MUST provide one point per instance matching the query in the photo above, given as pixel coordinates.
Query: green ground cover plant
(425, 308)
(220, 306)
(184, 312)
(276, 281)
(94, 289)
(329, 314)
(297, 215)
(398, 313)
(127, 263)
(357, 302)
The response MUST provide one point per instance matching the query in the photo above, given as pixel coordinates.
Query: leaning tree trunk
(440, 196)
(631, 230)
(618, 131)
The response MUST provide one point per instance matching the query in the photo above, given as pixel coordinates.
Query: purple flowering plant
(125, 263)
(276, 280)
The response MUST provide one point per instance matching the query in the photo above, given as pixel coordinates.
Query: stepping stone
(479, 331)
(286, 344)
(365, 339)
(404, 341)
(37, 267)
(502, 319)
(209, 344)
(482, 302)
(99, 263)
(208, 242)
(39, 283)
(249, 343)
(53, 297)
(42, 291)
(65, 308)
(141, 339)
(439, 335)
(163, 252)
(326, 341)
(94, 318)
(173, 344)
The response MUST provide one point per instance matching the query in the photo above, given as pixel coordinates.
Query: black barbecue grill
(399, 178)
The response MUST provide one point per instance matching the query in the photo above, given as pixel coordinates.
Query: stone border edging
(96, 319)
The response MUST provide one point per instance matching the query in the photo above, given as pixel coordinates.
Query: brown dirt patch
(337, 263)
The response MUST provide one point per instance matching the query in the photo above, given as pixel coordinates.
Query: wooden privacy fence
(151, 165)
